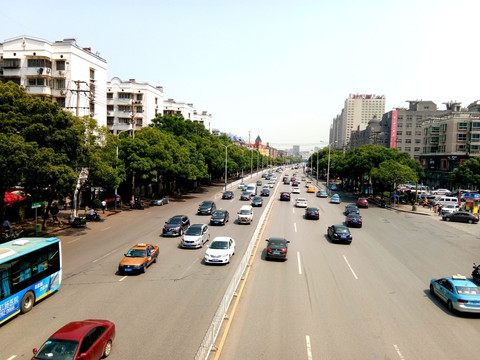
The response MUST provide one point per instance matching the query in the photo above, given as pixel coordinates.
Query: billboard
(393, 130)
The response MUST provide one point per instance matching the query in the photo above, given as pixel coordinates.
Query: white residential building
(62, 71)
(171, 107)
(132, 105)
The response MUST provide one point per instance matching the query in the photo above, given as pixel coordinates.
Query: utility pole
(78, 91)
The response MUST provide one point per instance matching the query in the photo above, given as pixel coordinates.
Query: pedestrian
(104, 205)
(6, 225)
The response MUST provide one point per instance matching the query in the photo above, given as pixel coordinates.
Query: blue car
(335, 199)
(322, 194)
(458, 292)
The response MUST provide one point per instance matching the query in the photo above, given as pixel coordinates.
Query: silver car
(195, 236)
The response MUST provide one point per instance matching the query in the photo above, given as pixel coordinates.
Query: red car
(362, 203)
(85, 340)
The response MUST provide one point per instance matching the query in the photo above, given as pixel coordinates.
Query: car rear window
(468, 290)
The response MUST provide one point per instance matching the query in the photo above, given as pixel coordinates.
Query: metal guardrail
(209, 339)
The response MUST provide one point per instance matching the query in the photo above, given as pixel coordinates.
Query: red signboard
(393, 131)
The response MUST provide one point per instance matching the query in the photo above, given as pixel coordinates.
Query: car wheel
(108, 349)
(450, 306)
(155, 259)
(144, 269)
(181, 232)
(470, 221)
(432, 290)
(447, 219)
(27, 302)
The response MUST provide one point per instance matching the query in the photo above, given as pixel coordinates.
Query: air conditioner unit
(63, 92)
(48, 70)
(61, 72)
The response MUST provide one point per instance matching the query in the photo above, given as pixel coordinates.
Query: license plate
(215, 222)
(127, 269)
(214, 259)
(189, 244)
(169, 233)
(343, 236)
(276, 253)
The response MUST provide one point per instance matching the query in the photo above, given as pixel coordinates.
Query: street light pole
(251, 163)
(226, 163)
(243, 154)
(328, 166)
(317, 167)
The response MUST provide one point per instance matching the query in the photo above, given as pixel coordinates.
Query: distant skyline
(279, 69)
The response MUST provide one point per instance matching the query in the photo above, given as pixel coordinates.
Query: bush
(96, 203)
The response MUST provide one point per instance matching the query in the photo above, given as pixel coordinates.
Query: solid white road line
(72, 241)
(104, 256)
(295, 226)
(299, 264)
(309, 348)
(398, 352)
(12, 357)
(123, 278)
(353, 272)
(106, 228)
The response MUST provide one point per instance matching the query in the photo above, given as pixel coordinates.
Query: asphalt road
(162, 314)
(367, 300)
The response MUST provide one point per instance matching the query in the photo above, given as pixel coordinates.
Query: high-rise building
(63, 72)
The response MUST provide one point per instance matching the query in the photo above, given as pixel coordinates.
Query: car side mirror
(288, 241)
(35, 350)
(267, 240)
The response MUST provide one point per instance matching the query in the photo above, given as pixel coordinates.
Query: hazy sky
(279, 69)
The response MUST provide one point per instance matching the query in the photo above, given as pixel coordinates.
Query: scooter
(92, 217)
(138, 205)
(476, 273)
(79, 221)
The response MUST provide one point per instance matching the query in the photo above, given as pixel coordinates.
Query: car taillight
(462, 301)
(284, 250)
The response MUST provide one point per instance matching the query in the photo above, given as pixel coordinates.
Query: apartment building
(132, 105)
(358, 110)
(63, 72)
(171, 107)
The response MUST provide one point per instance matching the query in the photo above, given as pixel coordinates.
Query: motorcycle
(476, 273)
(138, 205)
(79, 221)
(92, 217)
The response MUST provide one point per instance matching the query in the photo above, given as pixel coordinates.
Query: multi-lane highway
(367, 300)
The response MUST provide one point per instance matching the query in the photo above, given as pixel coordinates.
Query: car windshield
(194, 231)
(136, 253)
(175, 220)
(244, 212)
(219, 245)
(468, 290)
(277, 243)
(341, 230)
(57, 349)
(206, 204)
(217, 213)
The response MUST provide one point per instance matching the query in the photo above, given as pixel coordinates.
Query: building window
(39, 63)
(408, 133)
(475, 125)
(461, 147)
(139, 97)
(416, 149)
(408, 141)
(400, 117)
(409, 117)
(139, 109)
(124, 108)
(475, 138)
(124, 95)
(461, 137)
(462, 126)
(475, 148)
(399, 148)
(61, 102)
(10, 63)
(419, 117)
(92, 74)
(36, 81)
(399, 133)
(110, 108)
(418, 141)
(60, 64)
(418, 132)
(407, 148)
(443, 164)
(110, 96)
(124, 120)
(60, 84)
(443, 127)
(399, 125)
(408, 125)
(110, 120)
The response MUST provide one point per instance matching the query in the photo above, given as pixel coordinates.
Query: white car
(220, 250)
(441, 192)
(271, 184)
(301, 202)
(273, 177)
(296, 190)
(241, 185)
(450, 208)
(195, 236)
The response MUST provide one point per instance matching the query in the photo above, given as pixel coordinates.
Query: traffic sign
(36, 205)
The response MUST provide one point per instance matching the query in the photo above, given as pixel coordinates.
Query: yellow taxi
(310, 189)
(138, 258)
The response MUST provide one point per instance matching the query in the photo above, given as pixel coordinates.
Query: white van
(252, 189)
(245, 215)
(445, 200)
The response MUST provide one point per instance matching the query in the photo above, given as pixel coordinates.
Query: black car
(312, 213)
(219, 217)
(246, 195)
(461, 216)
(277, 248)
(351, 209)
(257, 201)
(285, 196)
(228, 195)
(176, 225)
(353, 220)
(339, 233)
(265, 192)
(206, 208)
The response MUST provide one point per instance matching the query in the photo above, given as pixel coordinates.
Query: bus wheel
(27, 302)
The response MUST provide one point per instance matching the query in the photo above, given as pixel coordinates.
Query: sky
(281, 70)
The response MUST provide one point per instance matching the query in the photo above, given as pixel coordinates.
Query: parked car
(227, 195)
(159, 202)
(220, 217)
(257, 201)
(312, 213)
(362, 203)
(265, 192)
(450, 208)
(87, 339)
(138, 258)
(195, 236)
(284, 196)
(339, 233)
(220, 250)
(354, 219)
(241, 185)
(458, 293)
(441, 192)
(335, 199)
(277, 248)
(461, 216)
(176, 225)
(206, 208)
(301, 202)
(322, 194)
